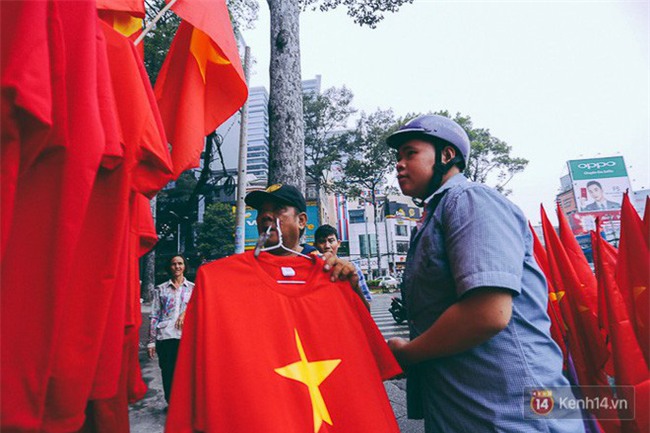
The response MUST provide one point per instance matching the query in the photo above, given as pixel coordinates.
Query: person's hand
(397, 345)
(180, 321)
(340, 269)
(151, 351)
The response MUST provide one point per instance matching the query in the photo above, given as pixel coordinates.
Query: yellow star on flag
(311, 374)
(204, 52)
(126, 24)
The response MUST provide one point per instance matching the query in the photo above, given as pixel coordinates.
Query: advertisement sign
(402, 210)
(599, 183)
(582, 223)
(251, 225)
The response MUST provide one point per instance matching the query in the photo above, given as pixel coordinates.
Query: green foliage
(173, 203)
(369, 160)
(158, 40)
(326, 115)
(367, 12)
(490, 161)
(243, 14)
(216, 234)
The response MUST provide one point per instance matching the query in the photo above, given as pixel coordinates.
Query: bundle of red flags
(84, 148)
(601, 321)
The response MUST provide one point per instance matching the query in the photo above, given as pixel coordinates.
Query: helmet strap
(440, 169)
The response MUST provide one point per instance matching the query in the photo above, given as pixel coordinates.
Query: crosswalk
(387, 325)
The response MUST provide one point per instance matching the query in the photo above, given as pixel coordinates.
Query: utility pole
(240, 218)
(368, 255)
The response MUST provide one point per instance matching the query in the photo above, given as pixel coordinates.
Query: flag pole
(240, 216)
(153, 22)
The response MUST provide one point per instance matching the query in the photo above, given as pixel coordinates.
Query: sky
(556, 80)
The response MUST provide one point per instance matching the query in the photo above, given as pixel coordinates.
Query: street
(148, 415)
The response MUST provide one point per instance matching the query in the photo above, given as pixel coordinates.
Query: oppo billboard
(599, 183)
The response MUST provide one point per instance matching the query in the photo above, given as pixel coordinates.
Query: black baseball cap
(278, 193)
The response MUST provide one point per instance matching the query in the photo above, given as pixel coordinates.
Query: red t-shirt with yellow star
(258, 355)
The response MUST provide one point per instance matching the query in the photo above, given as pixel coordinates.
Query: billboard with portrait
(599, 183)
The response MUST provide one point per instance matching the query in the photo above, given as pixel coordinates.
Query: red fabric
(196, 92)
(584, 341)
(36, 274)
(633, 273)
(111, 415)
(136, 7)
(79, 341)
(629, 363)
(558, 328)
(26, 95)
(579, 262)
(588, 284)
(241, 326)
(646, 220)
(149, 169)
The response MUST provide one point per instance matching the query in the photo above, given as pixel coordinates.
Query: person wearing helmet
(476, 298)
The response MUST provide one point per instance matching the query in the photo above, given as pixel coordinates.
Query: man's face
(291, 222)
(328, 244)
(595, 191)
(415, 159)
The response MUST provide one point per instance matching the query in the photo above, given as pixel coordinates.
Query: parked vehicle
(388, 282)
(397, 310)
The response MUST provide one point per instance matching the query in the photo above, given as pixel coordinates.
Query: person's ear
(448, 153)
(302, 220)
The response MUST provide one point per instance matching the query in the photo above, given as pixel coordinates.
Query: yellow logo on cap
(275, 187)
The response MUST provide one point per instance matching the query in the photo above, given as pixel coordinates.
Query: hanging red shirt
(258, 355)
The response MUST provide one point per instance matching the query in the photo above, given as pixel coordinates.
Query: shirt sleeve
(363, 285)
(154, 317)
(483, 239)
(386, 362)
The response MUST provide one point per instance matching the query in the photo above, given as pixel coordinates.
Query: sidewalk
(148, 415)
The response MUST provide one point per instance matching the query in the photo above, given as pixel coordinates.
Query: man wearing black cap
(286, 204)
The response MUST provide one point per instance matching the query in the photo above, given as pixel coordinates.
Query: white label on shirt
(288, 272)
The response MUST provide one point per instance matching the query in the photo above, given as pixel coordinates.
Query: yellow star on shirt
(311, 374)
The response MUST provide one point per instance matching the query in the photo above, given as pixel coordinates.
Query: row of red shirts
(83, 150)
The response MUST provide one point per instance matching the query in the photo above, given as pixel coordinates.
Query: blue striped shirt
(476, 238)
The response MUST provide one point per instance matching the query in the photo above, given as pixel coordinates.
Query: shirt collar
(171, 284)
(454, 180)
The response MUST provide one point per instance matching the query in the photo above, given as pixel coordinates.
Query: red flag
(629, 363)
(579, 262)
(125, 17)
(585, 342)
(306, 345)
(633, 272)
(201, 84)
(558, 328)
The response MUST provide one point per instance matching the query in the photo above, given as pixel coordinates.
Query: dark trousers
(167, 351)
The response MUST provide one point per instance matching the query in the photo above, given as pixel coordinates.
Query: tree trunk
(286, 129)
(149, 271)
